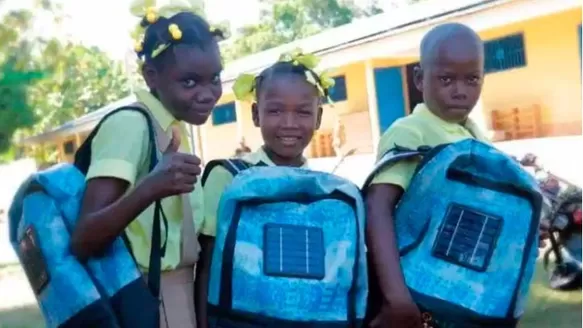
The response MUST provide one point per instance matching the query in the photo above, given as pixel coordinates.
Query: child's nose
(205, 96)
(289, 120)
(460, 90)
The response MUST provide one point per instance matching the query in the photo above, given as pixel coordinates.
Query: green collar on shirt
(468, 126)
(163, 116)
(261, 156)
(160, 113)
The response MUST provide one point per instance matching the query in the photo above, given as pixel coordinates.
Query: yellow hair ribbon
(310, 61)
(244, 87)
(297, 56)
(326, 80)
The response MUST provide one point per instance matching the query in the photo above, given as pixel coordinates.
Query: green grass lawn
(546, 309)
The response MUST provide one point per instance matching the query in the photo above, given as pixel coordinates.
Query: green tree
(286, 21)
(16, 75)
(45, 83)
(81, 80)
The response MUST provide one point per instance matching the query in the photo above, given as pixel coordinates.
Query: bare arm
(380, 203)
(207, 244)
(105, 213)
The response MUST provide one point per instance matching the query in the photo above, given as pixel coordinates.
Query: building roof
(354, 32)
(381, 35)
(81, 124)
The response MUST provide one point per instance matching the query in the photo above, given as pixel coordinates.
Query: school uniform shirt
(218, 179)
(121, 150)
(421, 128)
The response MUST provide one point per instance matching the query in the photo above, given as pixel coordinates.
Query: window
(224, 114)
(505, 53)
(338, 92)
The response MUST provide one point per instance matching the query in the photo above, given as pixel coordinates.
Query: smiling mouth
(204, 109)
(289, 141)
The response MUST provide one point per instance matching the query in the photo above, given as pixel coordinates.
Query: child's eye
(217, 79)
(305, 113)
(445, 79)
(189, 83)
(474, 79)
(272, 110)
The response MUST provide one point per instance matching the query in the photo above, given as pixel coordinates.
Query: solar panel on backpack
(294, 251)
(467, 237)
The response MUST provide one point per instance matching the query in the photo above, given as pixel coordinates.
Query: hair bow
(147, 10)
(141, 8)
(323, 82)
(297, 57)
(244, 87)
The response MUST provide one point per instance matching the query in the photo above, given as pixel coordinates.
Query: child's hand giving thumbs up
(176, 173)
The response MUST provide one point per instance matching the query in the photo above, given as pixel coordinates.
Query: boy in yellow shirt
(450, 76)
(288, 110)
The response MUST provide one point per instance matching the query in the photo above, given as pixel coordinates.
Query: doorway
(415, 96)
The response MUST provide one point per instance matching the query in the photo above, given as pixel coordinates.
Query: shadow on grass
(551, 309)
(546, 309)
(21, 317)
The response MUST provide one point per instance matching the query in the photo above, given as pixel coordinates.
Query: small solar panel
(293, 251)
(467, 237)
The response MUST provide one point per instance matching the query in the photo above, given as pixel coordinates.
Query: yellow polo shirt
(421, 128)
(121, 150)
(218, 179)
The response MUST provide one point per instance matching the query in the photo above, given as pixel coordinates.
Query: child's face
(288, 112)
(189, 84)
(451, 81)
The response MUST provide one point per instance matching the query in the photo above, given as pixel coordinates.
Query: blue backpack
(467, 232)
(289, 250)
(104, 292)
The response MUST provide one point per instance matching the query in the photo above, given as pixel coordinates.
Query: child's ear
(418, 77)
(255, 114)
(150, 76)
(319, 117)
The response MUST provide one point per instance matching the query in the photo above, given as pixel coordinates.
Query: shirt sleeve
(119, 148)
(216, 183)
(399, 174)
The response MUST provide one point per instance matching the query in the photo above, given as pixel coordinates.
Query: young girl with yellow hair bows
(287, 107)
(181, 67)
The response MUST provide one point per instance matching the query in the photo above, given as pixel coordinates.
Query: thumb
(175, 140)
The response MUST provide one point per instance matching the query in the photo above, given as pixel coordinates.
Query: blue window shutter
(338, 92)
(504, 53)
(224, 114)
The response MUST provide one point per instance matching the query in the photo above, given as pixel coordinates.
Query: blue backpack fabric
(104, 292)
(467, 232)
(289, 250)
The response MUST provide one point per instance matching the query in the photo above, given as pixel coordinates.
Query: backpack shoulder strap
(83, 154)
(233, 165)
(83, 161)
(391, 157)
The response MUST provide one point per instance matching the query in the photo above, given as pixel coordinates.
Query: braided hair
(194, 29)
(283, 68)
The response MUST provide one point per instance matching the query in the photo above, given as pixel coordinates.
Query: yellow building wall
(220, 141)
(551, 78)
